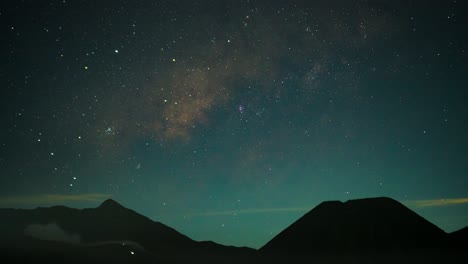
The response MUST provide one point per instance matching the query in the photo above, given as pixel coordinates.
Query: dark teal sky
(228, 120)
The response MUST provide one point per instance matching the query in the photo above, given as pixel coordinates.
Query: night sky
(228, 120)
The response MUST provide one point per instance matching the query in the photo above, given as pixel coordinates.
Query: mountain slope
(460, 237)
(375, 230)
(106, 226)
(375, 223)
(110, 221)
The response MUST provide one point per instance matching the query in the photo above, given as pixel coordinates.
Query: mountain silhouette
(355, 224)
(460, 238)
(110, 204)
(107, 226)
(373, 230)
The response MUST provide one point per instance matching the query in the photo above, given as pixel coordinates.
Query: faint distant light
(74, 178)
(173, 60)
(131, 252)
(116, 51)
(51, 153)
(85, 67)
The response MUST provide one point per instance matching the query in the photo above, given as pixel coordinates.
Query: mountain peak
(357, 224)
(110, 204)
(379, 200)
(337, 205)
(330, 204)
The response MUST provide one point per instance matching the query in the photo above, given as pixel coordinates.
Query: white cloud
(437, 202)
(51, 232)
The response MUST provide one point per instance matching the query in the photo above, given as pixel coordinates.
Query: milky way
(228, 119)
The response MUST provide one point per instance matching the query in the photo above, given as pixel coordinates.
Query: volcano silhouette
(373, 230)
(377, 223)
(111, 228)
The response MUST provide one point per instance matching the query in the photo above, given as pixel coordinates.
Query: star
(109, 131)
(211, 107)
(241, 109)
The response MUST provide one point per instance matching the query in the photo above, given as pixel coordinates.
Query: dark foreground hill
(377, 230)
(460, 237)
(110, 233)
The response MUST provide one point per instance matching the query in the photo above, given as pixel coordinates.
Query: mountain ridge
(359, 223)
(332, 232)
(110, 204)
(110, 221)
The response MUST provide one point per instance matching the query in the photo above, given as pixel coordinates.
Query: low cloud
(412, 203)
(51, 232)
(437, 202)
(53, 199)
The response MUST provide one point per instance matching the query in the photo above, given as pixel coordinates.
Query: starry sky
(228, 120)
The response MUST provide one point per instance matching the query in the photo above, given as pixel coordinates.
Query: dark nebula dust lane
(228, 120)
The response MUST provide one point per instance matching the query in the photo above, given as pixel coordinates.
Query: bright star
(109, 131)
(241, 109)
